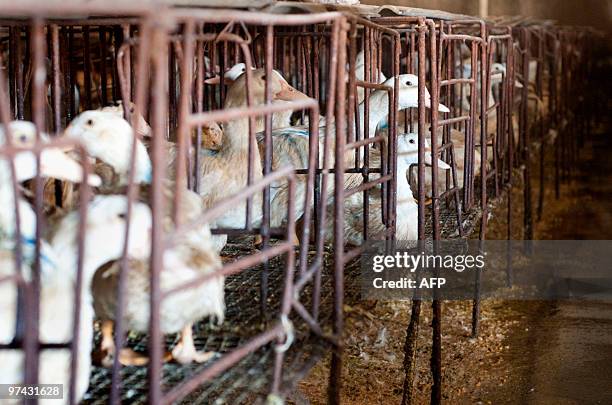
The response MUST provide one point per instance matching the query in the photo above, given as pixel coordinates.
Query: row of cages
(185, 191)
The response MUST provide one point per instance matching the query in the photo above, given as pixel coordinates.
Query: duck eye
(243, 69)
(89, 122)
(408, 83)
(122, 215)
(411, 141)
(23, 138)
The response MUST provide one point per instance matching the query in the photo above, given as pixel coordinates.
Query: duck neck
(378, 110)
(67, 254)
(404, 193)
(236, 136)
(236, 143)
(7, 206)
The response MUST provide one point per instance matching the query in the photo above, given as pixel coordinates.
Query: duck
(142, 129)
(192, 256)
(237, 95)
(103, 241)
(406, 209)
(291, 145)
(214, 167)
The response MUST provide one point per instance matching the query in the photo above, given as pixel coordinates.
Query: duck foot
(128, 357)
(185, 352)
(107, 345)
(184, 355)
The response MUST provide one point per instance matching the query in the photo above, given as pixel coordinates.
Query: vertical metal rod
(288, 286)
(70, 76)
(84, 193)
(338, 62)
(267, 168)
(156, 341)
(38, 52)
(484, 97)
(20, 85)
(185, 107)
(412, 331)
(87, 67)
(199, 108)
(56, 89)
(436, 350)
(14, 38)
(142, 85)
(103, 95)
(528, 218)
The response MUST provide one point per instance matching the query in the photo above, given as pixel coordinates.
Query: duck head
(281, 90)
(498, 72)
(408, 150)
(230, 76)
(108, 137)
(409, 93)
(235, 72)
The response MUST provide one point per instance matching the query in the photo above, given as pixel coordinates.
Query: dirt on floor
(497, 366)
(373, 367)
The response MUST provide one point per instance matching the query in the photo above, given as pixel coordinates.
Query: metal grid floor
(249, 380)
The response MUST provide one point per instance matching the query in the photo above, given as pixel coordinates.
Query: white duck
(103, 242)
(407, 207)
(191, 257)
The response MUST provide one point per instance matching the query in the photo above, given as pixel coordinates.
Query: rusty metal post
(338, 61)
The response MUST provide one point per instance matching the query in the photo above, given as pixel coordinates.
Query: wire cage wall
(488, 95)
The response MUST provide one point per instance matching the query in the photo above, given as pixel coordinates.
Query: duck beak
(56, 164)
(217, 80)
(441, 107)
(518, 84)
(288, 93)
(497, 78)
(441, 164)
(213, 80)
